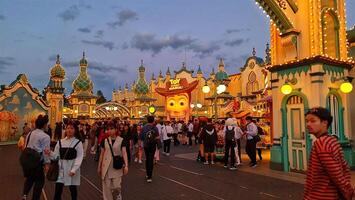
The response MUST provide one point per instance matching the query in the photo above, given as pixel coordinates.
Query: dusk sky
(116, 35)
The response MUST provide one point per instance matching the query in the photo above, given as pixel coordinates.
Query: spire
(268, 56)
(160, 74)
(153, 78)
(183, 65)
(83, 61)
(254, 51)
(126, 86)
(119, 88)
(221, 64)
(141, 68)
(199, 71)
(212, 73)
(168, 71)
(58, 60)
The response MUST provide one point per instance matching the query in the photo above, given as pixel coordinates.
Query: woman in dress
(69, 150)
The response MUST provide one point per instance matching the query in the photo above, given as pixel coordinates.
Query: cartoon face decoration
(178, 105)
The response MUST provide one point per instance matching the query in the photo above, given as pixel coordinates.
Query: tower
(82, 99)
(55, 93)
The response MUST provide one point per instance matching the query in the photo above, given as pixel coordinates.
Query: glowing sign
(151, 109)
(175, 84)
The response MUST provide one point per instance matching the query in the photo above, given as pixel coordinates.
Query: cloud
(98, 67)
(99, 34)
(149, 42)
(236, 61)
(125, 46)
(236, 42)
(204, 49)
(230, 31)
(106, 44)
(84, 30)
(2, 17)
(70, 14)
(6, 62)
(123, 17)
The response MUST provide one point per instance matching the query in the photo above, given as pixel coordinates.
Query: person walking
(167, 133)
(176, 133)
(328, 174)
(231, 134)
(196, 130)
(251, 132)
(150, 138)
(209, 139)
(70, 152)
(127, 137)
(190, 129)
(113, 163)
(38, 143)
(160, 127)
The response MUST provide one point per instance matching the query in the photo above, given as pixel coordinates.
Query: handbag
(117, 161)
(53, 171)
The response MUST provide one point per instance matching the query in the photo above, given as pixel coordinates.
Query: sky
(116, 35)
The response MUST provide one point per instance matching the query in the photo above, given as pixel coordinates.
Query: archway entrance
(111, 110)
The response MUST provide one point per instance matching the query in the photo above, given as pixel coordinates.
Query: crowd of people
(115, 143)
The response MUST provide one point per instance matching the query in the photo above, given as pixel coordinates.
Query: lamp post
(219, 90)
(196, 106)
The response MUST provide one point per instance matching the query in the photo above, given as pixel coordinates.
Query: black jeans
(229, 146)
(239, 152)
(176, 141)
(59, 190)
(149, 161)
(167, 145)
(251, 150)
(36, 179)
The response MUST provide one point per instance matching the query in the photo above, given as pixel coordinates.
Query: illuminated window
(252, 85)
(330, 31)
(334, 110)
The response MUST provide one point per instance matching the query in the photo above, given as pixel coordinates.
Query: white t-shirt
(167, 130)
(191, 127)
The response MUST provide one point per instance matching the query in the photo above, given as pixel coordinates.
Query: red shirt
(328, 175)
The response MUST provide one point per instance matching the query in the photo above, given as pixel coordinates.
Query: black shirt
(102, 145)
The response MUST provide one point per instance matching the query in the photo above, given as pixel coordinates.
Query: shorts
(209, 148)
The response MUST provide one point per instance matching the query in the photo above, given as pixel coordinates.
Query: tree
(100, 97)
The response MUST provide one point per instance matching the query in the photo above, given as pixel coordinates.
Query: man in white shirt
(167, 133)
(190, 129)
(251, 132)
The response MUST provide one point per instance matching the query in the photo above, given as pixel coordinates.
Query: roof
(221, 96)
(259, 61)
(313, 60)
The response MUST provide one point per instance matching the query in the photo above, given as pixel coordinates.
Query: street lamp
(199, 105)
(192, 105)
(346, 86)
(219, 90)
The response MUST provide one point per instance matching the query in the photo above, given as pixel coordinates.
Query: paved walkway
(176, 177)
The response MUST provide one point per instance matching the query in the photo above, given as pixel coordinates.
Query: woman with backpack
(113, 163)
(69, 151)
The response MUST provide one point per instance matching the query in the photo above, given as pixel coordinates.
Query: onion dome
(141, 88)
(57, 70)
(83, 83)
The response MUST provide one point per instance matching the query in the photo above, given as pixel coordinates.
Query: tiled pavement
(175, 177)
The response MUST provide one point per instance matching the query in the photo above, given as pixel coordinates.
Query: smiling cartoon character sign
(178, 95)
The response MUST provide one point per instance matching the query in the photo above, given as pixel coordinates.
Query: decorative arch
(116, 110)
(252, 85)
(284, 137)
(330, 32)
(337, 113)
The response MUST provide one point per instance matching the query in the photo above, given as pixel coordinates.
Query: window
(252, 85)
(330, 30)
(334, 110)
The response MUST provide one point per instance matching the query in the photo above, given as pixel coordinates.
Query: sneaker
(254, 165)
(149, 180)
(206, 163)
(140, 162)
(212, 162)
(119, 197)
(233, 168)
(225, 166)
(136, 160)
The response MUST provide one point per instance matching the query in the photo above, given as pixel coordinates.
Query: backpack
(230, 135)
(149, 139)
(30, 159)
(260, 131)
